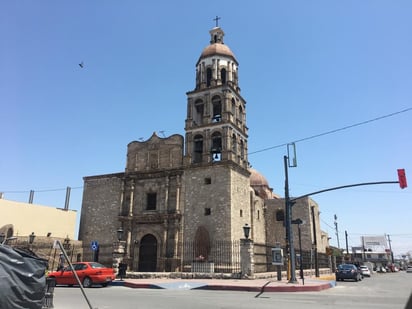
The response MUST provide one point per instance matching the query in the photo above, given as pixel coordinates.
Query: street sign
(94, 245)
(55, 245)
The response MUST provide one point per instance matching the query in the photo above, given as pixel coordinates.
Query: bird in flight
(81, 64)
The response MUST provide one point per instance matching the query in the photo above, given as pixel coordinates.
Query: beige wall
(27, 218)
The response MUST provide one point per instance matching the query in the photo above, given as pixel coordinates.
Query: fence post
(247, 263)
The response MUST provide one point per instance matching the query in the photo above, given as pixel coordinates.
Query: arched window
(233, 108)
(208, 76)
(242, 149)
(240, 116)
(198, 115)
(197, 149)
(234, 144)
(223, 76)
(216, 146)
(217, 109)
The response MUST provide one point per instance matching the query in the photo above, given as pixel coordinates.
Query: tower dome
(260, 185)
(257, 179)
(217, 47)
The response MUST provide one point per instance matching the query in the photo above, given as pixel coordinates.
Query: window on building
(234, 144)
(198, 116)
(217, 109)
(242, 150)
(151, 201)
(240, 114)
(197, 149)
(233, 107)
(208, 181)
(208, 211)
(223, 76)
(241, 213)
(208, 77)
(216, 146)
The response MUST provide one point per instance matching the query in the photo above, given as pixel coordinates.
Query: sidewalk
(250, 285)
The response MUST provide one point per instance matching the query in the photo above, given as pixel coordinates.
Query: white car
(409, 269)
(365, 271)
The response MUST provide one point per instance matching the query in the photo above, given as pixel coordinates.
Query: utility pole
(390, 248)
(346, 238)
(337, 232)
(315, 242)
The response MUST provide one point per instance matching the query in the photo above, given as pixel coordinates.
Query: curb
(216, 287)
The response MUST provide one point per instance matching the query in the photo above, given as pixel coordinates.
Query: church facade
(179, 196)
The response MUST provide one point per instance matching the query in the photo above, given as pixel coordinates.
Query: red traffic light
(402, 178)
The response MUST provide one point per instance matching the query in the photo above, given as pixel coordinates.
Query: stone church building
(187, 198)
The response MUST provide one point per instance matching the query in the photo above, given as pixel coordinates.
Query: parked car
(89, 273)
(348, 271)
(365, 271)
(381, 269)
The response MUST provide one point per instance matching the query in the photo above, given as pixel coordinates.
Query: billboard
(375, 243)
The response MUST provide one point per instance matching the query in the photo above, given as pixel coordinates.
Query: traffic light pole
(343, 187)
(288, 207)
(289, 234)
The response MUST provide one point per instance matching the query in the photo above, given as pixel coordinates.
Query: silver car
(365, 271)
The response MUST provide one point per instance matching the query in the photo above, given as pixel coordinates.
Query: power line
(335, 130)
(268, 148)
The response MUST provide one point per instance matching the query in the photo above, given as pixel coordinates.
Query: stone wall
(216, 198)
(101, 205)
(302, 210)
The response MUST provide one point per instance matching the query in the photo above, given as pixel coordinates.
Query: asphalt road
(389, 291)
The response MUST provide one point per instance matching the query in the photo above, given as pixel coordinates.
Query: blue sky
(306, 68)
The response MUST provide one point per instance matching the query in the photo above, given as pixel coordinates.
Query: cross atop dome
(216, 19)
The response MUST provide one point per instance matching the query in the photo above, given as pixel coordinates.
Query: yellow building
(22, 219)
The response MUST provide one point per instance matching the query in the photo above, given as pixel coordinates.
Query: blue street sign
(94, 245)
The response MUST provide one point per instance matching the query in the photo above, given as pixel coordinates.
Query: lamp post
(247, 267)
(31, 240)
(119, 233)
(66, 243)
(118, 253)
(246, 230)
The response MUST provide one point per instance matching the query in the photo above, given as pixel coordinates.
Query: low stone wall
(204, 275)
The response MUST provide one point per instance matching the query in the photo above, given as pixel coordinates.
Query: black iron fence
(219, 256)
(191, 256)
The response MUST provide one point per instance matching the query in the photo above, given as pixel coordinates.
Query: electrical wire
(335, 130)
(272, 147)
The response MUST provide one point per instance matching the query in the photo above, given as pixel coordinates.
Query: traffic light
(402, 178)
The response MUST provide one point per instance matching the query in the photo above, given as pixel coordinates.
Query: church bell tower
(216, 117)
(217, 198)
